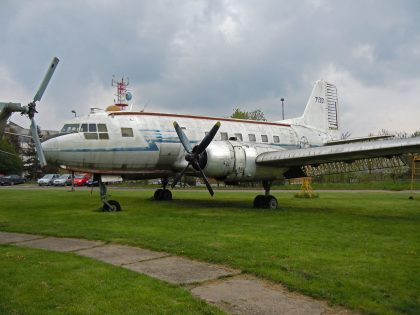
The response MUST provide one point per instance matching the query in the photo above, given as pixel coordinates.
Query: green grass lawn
(360, 250)
(40, 282)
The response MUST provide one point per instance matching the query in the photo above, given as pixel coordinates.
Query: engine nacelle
(218, 160)
(235, 161)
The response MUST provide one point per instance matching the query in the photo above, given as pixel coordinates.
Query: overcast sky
(209, 57)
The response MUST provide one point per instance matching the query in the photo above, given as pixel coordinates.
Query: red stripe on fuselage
(198, 117)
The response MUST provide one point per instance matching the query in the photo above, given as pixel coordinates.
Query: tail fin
(321, 111)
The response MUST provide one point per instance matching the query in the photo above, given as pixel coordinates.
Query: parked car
(15, 179)
(4, 181)
(63, 180)
(81, 179)
(92, 182)
(48, 179)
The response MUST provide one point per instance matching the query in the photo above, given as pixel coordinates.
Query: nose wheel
(108, 205)
(111, 205)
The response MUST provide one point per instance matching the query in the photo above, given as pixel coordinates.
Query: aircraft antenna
(144, 107)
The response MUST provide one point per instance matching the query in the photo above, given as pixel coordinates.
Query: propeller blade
(206, 181)
(37, 141)
(46, 79)
(183, 138)
(207, 139)
(179, 176)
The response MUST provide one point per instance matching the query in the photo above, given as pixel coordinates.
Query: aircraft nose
(51, 149)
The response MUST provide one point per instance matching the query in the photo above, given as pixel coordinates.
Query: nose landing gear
(108, 205)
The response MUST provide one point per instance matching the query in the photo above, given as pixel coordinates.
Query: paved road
(214, 188)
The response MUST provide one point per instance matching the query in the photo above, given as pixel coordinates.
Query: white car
(47, 180)
(63, 180)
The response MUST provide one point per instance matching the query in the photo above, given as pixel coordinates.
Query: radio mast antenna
(123, 95)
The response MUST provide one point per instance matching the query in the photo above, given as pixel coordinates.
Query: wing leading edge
(339, 153)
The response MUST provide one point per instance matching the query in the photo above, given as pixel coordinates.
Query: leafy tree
(31, 163)
(345, 135)
(10, 163)
(253, 115)
(384, 132)
(416, 133)
(13, 140)
(239, 114)
(32, 166)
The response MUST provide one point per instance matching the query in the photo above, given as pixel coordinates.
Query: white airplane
(146, 145)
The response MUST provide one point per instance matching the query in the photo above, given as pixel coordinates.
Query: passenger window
(264, 138)
(103, 136)
(127, 132)
(92, 127)
(238, 136)
(276, 139)
(251, 137)
(224, 135)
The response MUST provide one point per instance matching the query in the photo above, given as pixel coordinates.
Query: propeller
(193, 154)
(31, 110)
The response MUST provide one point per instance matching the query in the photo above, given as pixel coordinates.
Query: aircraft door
(293, 139)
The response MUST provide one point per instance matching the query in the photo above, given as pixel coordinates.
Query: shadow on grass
(201, 203)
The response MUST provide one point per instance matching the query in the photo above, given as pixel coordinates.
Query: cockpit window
(94, 131)
(92, 127)
(91, 135)
(69, 128)
(84, 128)
(102, 128)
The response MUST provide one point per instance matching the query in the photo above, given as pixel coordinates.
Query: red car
(81, 179)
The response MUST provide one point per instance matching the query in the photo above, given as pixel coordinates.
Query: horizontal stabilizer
(361, 139)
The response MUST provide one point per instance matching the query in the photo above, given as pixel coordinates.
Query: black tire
(259, 201)
(115, 206)
(167, 194)
(270, 202)
(158, 194)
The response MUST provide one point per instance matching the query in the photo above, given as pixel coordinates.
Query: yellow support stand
(306, 190)
(415, 171)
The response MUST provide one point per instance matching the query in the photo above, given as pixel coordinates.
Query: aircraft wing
(339, 153)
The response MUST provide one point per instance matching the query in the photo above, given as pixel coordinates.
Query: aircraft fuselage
(146, 144)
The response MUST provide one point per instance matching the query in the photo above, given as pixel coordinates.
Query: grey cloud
(206, 57)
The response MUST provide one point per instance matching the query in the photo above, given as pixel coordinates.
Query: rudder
(321, 111)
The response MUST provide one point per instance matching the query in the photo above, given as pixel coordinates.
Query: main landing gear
(163, 193)
(109, 205)
(266, 201)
